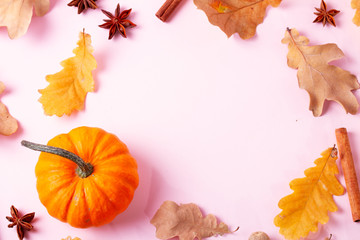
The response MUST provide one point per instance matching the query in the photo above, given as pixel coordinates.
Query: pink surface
(215, 121)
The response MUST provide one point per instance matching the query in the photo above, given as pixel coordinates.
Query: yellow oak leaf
(16, 14)
(312, 198)
(8, 124)
(69, 238)
(320, 79)
(355, 4)
(68, 88)
(186, 222)
(236, 16)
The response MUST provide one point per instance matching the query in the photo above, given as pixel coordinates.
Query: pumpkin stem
(84, 169)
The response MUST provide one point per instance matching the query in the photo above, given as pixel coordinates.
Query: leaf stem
(294, 42)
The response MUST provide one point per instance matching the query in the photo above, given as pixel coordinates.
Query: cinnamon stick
(348, 168)
(166, 9)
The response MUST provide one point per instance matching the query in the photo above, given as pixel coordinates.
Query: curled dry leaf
(236, 16)
(312, 198)
(68, 88)
(259, 236)
(16, 14)
(321, 80)
(186, 222)
(8, 124)
(355, 4)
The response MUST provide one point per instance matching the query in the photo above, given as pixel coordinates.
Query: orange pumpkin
(85, 177)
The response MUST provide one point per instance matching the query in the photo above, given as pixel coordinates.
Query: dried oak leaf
(16, 14)
(236, 16)
(8, 124)
(185, 221)
(312, 198)
(321, 80)
(68, 88)
(355, 4)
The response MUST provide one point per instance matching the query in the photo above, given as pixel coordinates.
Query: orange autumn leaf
(16, 14)
(320, 79)
(312, 198)
(68, 88)
(355, 4)
(236, 16)
(186, 222)
(8, 124)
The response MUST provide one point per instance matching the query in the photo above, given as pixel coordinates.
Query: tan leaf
(16, 14)
(259, 236)
(321, 80)
(8, 124)
(186, 222)
(236, 16)
(355, 4)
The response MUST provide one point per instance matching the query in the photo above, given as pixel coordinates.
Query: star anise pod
(21, 223)
(325, 16)
(83, 4)
(117, 22)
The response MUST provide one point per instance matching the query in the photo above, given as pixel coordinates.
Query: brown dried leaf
(236, 16)
(321, 80)
(16, 14)
(8, 124)
(185, 221)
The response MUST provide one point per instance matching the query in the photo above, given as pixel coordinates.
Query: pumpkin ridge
(120, 187)
(67, 204)
(60, 182)
(102, 158)
(131, 180)
(115, 158)
(126, 185)
(100, 190)
(56, 163)
(106, 148)
(91, 135)
(57, 169)
(52, 179)
(91, 222)
(74, 205)
(120, 169)
(49, 201)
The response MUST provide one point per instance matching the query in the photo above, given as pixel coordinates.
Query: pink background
(212, 120)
